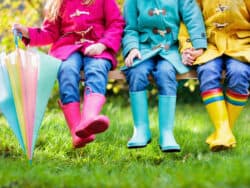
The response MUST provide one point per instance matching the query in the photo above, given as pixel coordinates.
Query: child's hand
(20, 28)
(134, 53)
(187, 58)
(190, 55)
(95, 49)
(197, 53)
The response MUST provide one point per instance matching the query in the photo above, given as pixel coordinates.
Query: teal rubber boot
(166, 123)
(139, 105)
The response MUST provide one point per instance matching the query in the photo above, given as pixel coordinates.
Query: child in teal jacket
(150, 46)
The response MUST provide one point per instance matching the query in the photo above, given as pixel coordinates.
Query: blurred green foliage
(27, 12)
(30, 13)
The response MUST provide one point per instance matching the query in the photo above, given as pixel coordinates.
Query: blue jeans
(237, 75)
(95, 76)
(162, 71)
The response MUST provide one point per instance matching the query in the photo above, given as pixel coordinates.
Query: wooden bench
(118, 75)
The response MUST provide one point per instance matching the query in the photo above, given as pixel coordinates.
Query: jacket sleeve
(130, 38)
(193, 20)
(114, 24)
(47, 34)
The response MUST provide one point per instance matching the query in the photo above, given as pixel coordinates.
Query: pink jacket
(79, 26)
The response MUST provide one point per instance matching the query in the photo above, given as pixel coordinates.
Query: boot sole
(143, 146)
(97, 126)
(221, 148)
(79, 146)
(170, 150)
(84, 142)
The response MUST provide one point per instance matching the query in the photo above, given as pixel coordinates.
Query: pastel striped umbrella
(30, 76)
(14, 68)
(7, 105)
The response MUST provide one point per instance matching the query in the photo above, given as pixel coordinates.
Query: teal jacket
(152, 26)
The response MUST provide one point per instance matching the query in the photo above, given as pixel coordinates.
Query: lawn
(108, 163)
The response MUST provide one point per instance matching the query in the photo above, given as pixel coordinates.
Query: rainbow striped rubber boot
(216, 107)
(235, 102)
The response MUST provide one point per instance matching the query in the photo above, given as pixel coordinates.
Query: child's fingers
(86, 52)
(139, 55)
(190, 57)
(187, 59)
(187, 63)
(131, 56)
(128, 60)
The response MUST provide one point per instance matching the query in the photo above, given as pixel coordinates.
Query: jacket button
(155, 31)
(166, 47)
(220, 25)
(168, 30)
(221, 8)
(150, 12)
(164, 12)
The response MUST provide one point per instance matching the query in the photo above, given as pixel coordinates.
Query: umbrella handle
(17, 35)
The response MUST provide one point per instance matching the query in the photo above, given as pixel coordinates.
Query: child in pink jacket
(85, 35)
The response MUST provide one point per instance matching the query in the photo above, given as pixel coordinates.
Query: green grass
(108, 163)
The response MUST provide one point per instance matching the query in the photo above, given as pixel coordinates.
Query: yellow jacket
(228, 30)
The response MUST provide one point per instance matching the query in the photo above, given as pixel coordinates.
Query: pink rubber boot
(72, 116)
(92, 122)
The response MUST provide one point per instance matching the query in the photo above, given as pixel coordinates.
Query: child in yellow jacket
(228, 33)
